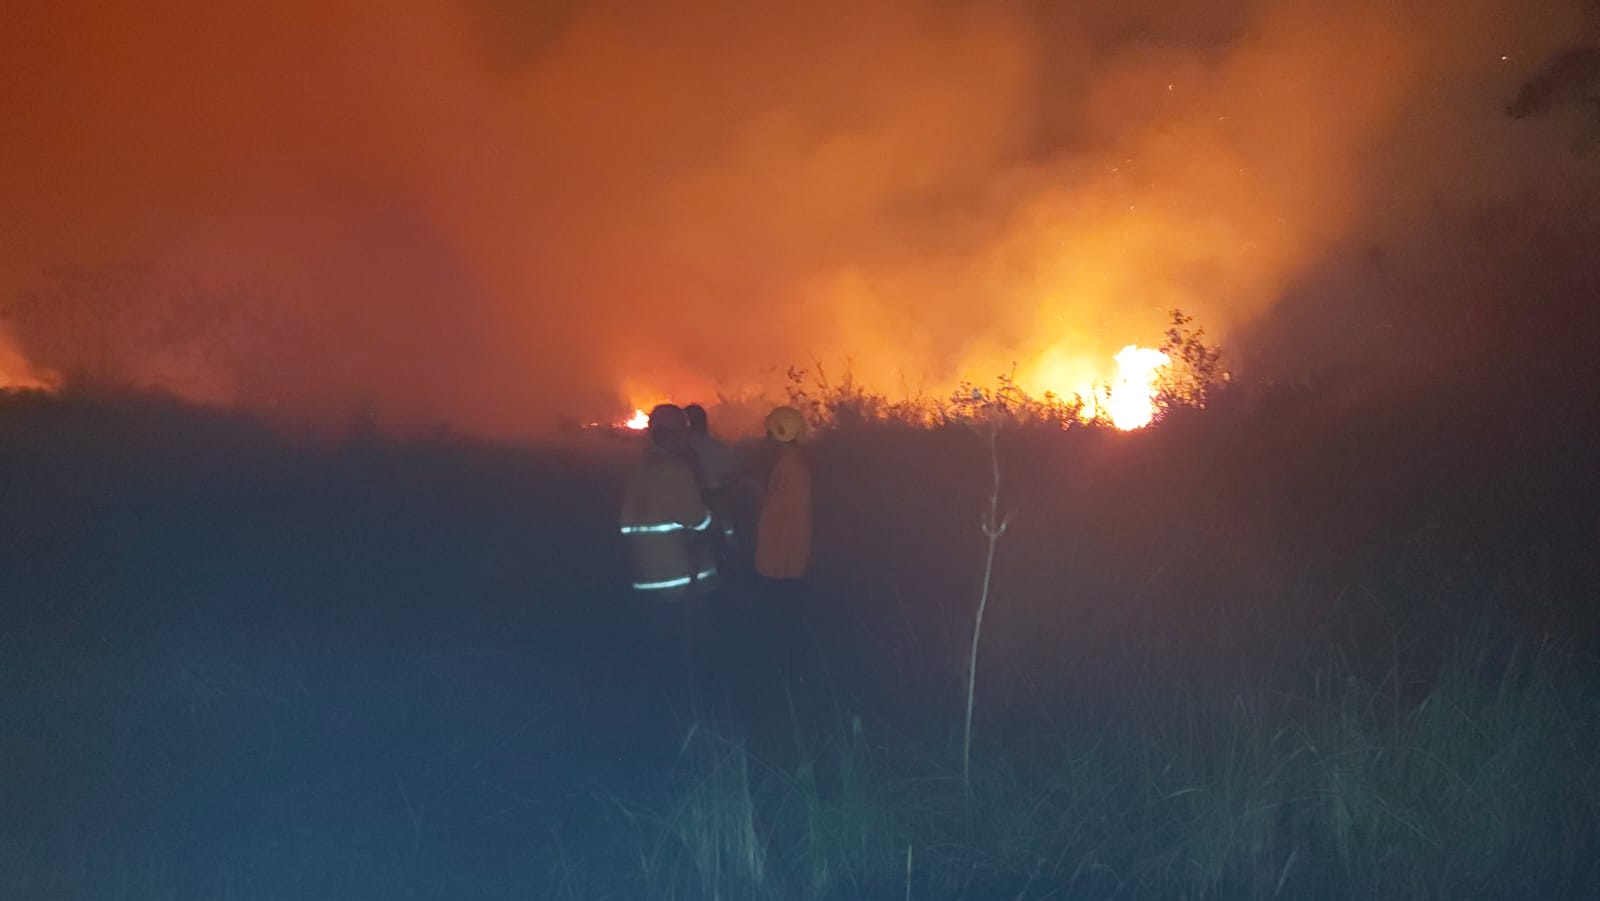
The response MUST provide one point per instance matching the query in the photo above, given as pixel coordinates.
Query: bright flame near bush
(639, 421)
(1131, 402)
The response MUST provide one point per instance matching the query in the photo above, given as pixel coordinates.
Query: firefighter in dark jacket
(665, 519)
(720, 478)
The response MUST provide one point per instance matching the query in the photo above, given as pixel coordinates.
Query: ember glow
(16, 374)
(20, 380)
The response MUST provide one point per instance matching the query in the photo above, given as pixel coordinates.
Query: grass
(1482, 784)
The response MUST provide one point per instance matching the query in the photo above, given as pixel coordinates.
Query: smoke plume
(498, 213)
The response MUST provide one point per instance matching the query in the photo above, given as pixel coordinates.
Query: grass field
(1240, 656)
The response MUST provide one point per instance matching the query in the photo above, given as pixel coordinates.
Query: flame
(1131, 400)
(1125, 400)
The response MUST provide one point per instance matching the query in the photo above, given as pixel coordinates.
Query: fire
(1131, 400)
(1124, 399)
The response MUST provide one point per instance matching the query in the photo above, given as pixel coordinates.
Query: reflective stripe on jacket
(664, 520)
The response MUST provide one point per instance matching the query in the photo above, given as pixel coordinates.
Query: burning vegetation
(1184, 371)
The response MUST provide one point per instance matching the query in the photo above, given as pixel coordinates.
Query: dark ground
(234, 666)
(234, 663)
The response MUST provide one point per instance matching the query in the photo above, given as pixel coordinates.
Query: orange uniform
(783, 536)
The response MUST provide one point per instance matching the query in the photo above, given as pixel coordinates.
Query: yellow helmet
(786, 424)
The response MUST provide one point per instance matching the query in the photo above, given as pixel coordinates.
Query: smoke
(498, 213)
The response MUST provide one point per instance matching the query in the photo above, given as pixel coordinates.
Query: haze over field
(499, 213)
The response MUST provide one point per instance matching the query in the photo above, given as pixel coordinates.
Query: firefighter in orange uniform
(783, 536)
(779, 645)
(664, 516)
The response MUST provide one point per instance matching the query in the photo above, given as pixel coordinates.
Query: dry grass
(1339, 787)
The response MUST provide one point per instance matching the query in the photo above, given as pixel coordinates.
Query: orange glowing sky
(497, 213)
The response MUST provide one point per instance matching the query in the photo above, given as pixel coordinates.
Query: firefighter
(719, 477)
(783, 536)
(664, 517)
(779, 641)
(666, 524)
